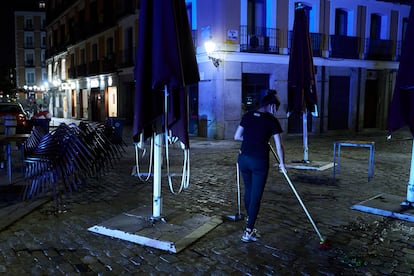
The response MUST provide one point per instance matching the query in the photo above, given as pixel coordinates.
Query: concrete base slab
(172, 233)
(312, 165)
(386, 205)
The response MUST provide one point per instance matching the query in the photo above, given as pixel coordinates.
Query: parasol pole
(305, 137)
(157, 200)
(410, 188)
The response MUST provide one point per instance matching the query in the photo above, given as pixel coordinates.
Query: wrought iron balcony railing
(316, 43)
(344, 46)
(259, 39)
(379, 49)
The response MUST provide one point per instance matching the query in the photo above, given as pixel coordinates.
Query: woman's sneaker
(249, 235)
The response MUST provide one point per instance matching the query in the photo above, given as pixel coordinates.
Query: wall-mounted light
(211, 48)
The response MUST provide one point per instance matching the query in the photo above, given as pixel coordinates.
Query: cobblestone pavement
(49, 243)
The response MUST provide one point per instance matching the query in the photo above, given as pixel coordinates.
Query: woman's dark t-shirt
(258, 128)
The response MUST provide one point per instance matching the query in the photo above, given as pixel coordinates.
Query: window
(29, 41)
(30, 77)
(29, 59)
(341, 22)
(44, 75)
(109, 46)
(189, 12)
(43, 41)
(256, 16)
(404, 27)
(29, 23)
(129, 48)
(82, 56)
(375, 31)
(43, 58)
(191, 6)
(94, 52)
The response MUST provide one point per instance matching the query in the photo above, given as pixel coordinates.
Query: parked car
(15, 109)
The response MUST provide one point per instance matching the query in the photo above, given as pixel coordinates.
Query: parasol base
(385, 205)
(173, 235)
(314, 165)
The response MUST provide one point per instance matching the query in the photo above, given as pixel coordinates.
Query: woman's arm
(238, 135)
(280, 151)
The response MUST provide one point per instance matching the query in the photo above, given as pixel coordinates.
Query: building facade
(90, 58)
(356, 46)
(30, 50)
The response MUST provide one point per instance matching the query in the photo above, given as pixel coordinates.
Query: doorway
(254, 87)
(96, 104)
(371, 104)
(73, 104)
(338, 104)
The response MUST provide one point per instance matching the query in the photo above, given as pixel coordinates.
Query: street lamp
(211, 48)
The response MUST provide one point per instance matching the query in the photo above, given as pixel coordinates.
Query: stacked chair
(61, 160)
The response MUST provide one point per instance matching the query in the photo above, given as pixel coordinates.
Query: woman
(255, 130)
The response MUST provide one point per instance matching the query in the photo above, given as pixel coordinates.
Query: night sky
(6, 33)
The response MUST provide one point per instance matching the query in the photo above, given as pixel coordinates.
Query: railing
(260, 40)
(316, 43)
(398, 50)
(127, 57)
(344, 46)
(29, 63)
(379, 49)
(29, 45)
(94, 67)
(72, 73)
(81, 70)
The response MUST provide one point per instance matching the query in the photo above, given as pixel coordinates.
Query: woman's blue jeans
(254, 171)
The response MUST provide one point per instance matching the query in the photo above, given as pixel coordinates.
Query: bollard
(10, 124)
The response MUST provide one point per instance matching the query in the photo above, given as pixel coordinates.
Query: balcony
(29, 45)
(72, 73)
(127, 57)
(258, 40)
(29, 63)
(316, 43)
(81, 70)
(28, 27)
(109, 62)
(379, 49)
(94, 67)
(344, 46)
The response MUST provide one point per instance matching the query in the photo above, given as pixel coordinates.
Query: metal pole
(238, 188)
(305, 137)
(157, 199)
(410, 187)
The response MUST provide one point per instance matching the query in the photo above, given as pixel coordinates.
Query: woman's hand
(282, 168)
